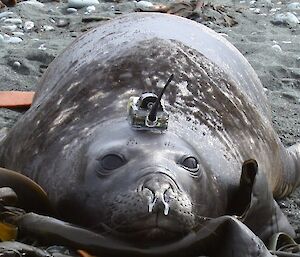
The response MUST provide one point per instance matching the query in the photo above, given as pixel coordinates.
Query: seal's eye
(112, 162)
(191, 164)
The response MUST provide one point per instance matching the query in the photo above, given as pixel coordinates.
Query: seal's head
(141, 184)
(141, 180)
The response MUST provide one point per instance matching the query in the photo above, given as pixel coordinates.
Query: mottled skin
(218, 115)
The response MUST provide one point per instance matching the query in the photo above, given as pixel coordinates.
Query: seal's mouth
(155, 230)
(152, 236)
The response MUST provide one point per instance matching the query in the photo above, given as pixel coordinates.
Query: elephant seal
(211, 141)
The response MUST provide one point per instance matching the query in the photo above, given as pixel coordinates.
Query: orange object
(15, 99)
(84, 253)
(7, 232)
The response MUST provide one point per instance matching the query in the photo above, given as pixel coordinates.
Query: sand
(272, 49)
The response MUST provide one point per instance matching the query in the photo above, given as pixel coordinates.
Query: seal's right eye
(191, 164)
(111, 162)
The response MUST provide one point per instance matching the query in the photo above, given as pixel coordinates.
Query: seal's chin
(153, 231)
(154, 236)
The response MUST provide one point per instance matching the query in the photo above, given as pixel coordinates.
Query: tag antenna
(153, 112)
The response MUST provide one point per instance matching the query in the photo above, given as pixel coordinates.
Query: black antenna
(153, 112)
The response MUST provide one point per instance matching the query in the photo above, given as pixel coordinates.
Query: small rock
(59, 250)
(42, 68)
(13, 21)
(91, 8)
(34, 3)
(17, 64)
(47, 28)
(273, 10)
(71, 10)
(50, 11)
(256, 10)
(267, 3)
(12, 27)
(40, 55)
(42, 47)
(223, 34)
(277, 48)
(13, 40)
(297, 201)
(81, 3)
(144, 5)
(252, 3)
(62, 22)
(290, 213)
(294, 6)
(18, 33)
(73, 34)
(283, 205)
(289, 96)
(5, 14)
(285, 19)
(28, 25)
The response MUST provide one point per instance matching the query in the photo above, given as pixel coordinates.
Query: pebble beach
(266, 32)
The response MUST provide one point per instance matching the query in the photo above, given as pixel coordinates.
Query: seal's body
(76, 141)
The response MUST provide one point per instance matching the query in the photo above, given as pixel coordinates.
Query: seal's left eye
(112, 161)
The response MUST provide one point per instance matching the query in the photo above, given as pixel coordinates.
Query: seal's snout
(158, 190)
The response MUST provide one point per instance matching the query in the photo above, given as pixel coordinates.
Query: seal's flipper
(254, 196)
(271, 219)
(242, 197)
(291, 172)
(294, 152)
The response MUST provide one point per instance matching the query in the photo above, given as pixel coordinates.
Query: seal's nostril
(157, 185)
(148, 193)
(155, 190)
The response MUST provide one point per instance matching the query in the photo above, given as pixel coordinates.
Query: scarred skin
(218, 116)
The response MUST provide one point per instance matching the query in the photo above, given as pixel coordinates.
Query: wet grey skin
(152, 188)
(157, 184)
